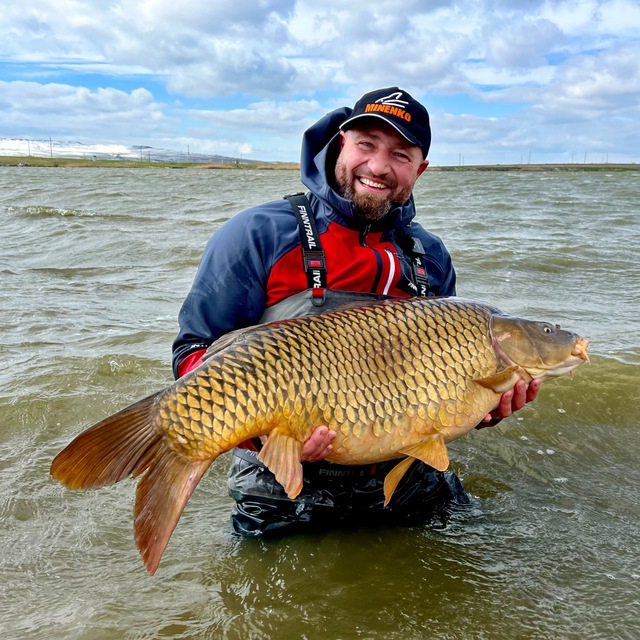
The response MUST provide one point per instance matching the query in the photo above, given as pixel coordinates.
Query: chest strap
(314, 262)
(420, 275)
(414, 250)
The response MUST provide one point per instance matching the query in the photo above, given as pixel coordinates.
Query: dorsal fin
(229, 339)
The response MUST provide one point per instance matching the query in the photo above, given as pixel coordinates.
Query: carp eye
(547, 328)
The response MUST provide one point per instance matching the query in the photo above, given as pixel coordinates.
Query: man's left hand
(319, 444)
(512, 400)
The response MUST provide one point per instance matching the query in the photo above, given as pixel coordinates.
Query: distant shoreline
(37, 161)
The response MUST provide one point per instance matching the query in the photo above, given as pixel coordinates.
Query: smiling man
(380, 159)
(352, 236)
(376, 169)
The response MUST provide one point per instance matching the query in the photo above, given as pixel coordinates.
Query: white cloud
(265, 116)
(245, 72)
(522, 44)
(218, 74)
(76, 111)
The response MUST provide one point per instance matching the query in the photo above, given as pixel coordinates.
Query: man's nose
(379, 162)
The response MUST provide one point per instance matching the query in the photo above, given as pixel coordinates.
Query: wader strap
(312, 254)
(414, 249)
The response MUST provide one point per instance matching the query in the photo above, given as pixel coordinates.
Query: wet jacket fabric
(255, 259)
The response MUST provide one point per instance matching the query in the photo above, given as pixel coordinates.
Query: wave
(602, 393)
(43, 211)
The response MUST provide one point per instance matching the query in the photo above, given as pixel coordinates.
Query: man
(354, 233)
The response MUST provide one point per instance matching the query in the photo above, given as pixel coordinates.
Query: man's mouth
(373, 184)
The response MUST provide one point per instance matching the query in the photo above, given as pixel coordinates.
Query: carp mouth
(580, 350)
(578, 356)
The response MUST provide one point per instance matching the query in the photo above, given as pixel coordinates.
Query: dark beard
(367, 207)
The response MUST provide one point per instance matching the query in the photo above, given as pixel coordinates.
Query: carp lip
(580, 350)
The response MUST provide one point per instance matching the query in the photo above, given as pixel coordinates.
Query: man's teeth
(371, 183)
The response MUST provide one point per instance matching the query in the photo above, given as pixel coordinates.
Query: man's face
(377, 168)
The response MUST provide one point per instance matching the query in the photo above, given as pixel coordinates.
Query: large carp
(395, 379)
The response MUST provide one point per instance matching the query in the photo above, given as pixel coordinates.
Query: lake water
(94, 265)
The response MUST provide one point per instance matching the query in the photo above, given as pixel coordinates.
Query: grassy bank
(33, 161)
(541, 167)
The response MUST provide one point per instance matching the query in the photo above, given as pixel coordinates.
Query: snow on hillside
(73, 149)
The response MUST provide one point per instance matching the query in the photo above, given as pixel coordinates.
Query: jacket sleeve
(229, 289)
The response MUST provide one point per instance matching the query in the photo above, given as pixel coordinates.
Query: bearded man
(351, 236)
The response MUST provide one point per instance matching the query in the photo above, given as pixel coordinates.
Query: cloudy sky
(504, 80)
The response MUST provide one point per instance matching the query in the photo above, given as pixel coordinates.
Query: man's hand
(319, 445)
(512, 400)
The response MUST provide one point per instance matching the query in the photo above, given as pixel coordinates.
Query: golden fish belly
(382, 376)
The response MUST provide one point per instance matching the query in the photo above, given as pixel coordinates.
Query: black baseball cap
(397, 108)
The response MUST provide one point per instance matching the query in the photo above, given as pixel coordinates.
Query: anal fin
(394, 476)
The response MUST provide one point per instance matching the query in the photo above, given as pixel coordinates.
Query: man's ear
(423, 165)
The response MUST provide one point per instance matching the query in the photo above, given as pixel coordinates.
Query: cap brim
(406, 135)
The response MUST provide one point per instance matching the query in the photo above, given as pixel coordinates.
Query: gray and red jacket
(255, 259)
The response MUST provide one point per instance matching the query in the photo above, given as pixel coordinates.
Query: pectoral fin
(281, 455)
(501, 381)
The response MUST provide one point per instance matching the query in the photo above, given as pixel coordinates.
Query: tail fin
(128, 444)
(161, 497)
(119, 446)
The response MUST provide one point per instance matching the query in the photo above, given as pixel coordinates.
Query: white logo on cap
(393, 99)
